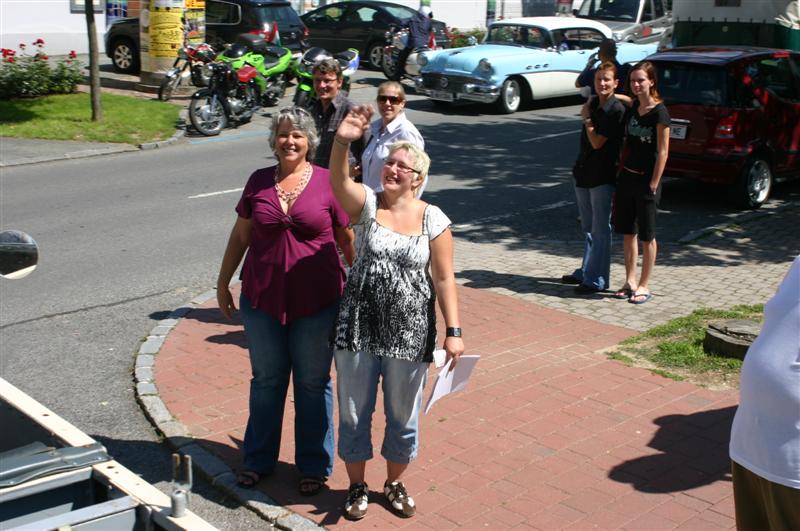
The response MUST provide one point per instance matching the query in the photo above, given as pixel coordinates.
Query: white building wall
(466, 14)
(24, 21)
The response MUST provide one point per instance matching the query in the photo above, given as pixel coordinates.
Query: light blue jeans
(299, 348)
(594, 207)
(402, 381)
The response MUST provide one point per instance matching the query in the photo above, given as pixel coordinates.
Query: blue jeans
(357, 376)
(594, 206)
(300, 348)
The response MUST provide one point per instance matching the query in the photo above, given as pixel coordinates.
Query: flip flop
(623, 293)
(311, 485)
(247, 479)
(647, 297)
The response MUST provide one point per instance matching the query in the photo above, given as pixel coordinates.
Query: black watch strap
(452, 331)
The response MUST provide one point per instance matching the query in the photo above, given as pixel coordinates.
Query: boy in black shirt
(595, 172)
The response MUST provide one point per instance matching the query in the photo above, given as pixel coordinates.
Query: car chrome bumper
(478, 92)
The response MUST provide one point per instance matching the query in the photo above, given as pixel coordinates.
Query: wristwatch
(452, 331)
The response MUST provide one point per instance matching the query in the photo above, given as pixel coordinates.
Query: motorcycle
(305, 94)
(272, 64)
(396, 41)
(189, 64)
(231, 96)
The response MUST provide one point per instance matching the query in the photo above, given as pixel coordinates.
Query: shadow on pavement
(513, 182)
(282, 485)
(522, 284)
(694, 452)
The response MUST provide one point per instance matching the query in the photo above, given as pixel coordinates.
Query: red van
(735, 116)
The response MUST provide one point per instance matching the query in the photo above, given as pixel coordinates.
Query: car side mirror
(19, 254)
(471, 40)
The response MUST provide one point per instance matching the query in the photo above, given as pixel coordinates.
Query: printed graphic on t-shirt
(644, 133)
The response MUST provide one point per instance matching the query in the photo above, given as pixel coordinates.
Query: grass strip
(675, 349)
(126, 119)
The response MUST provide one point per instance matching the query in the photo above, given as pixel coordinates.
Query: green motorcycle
(272, 63)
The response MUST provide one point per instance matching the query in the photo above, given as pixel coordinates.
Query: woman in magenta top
(290, 224)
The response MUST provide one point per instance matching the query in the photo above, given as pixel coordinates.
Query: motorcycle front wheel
(207, 115)
(168, 85)
(389, 66)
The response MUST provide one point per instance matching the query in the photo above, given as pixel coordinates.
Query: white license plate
(441, 95)
(678, 131)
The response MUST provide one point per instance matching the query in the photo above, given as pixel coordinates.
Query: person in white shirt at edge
(765, 438)
(392, 126)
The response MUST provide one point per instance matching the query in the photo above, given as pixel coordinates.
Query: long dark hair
(650, 71)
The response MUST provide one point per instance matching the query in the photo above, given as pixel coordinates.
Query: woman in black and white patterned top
(386, 329)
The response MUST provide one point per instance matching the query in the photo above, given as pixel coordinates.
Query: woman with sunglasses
(289, 223)
(386, 328)
(391, 126)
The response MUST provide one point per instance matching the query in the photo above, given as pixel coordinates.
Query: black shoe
(583, 288)
(570, 279)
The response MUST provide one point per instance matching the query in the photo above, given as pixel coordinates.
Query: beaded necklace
(291, 195)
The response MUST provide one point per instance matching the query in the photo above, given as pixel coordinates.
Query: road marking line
(209, 194)
(545, 137)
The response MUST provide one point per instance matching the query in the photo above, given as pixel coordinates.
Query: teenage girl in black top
(639, 180)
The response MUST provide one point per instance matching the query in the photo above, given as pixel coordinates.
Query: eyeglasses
(394, 100)
(401, 166)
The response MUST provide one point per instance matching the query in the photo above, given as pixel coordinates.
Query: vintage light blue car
(520, 59)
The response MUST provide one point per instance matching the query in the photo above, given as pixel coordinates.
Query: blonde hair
(393, 85)
(422, 162)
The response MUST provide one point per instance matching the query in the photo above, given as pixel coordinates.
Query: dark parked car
(735, 116)
(225, 21)
(362, 25)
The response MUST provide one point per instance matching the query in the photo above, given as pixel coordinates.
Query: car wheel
(510, 96)
(375, 55)
(755, 184)
(125, 56)
(389, 66)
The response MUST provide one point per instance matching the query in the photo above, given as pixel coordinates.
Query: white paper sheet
(452, 381)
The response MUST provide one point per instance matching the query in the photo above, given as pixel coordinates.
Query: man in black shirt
(329, 109)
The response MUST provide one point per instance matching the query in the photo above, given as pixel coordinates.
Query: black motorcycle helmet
(236, 51)
(312, 56)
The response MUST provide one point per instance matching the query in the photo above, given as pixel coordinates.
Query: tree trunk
(94, 63)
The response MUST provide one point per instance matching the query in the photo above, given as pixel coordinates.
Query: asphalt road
(124, 239)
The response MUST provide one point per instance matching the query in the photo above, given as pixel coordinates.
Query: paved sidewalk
(550, 433)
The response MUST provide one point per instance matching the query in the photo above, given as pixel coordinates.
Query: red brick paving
(549, 434)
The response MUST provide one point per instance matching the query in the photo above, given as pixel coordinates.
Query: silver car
(640, 21)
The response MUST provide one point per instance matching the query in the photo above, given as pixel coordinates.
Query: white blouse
(378, 144)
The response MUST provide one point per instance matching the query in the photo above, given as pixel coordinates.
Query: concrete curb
(175, 434)
(109, 150)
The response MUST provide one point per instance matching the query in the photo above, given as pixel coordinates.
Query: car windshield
(619, 10)
(692, 84)
(517, 35)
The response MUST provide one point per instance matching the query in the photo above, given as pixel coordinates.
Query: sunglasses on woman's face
(394, 100)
